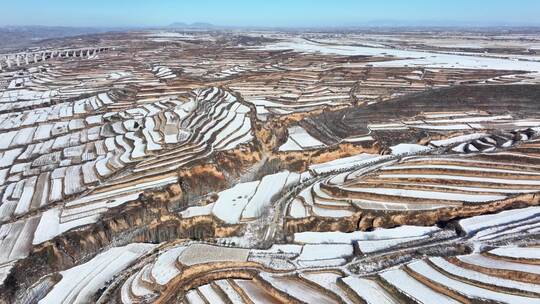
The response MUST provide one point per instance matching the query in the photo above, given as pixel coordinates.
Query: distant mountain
(198, 25)
(202, 24)
(178, 24)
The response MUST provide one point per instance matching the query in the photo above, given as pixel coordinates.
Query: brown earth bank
(365, 220)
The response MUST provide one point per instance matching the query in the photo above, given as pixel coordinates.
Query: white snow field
(405, 58)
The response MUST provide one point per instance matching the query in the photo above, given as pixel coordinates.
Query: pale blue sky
(287, 13)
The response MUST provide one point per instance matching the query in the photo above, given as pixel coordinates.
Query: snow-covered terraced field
(78, 284)
(492, 227)
(470, 122)
(58, 162)
(174, 265)
(299, 89)
(420, 183)
(46, 162)
(369, 242)
(194, 166)
(273, 276)
(441, 280)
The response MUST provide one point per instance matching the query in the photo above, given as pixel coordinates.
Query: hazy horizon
(278, 13)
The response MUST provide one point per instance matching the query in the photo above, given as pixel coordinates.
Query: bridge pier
(7, 61)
